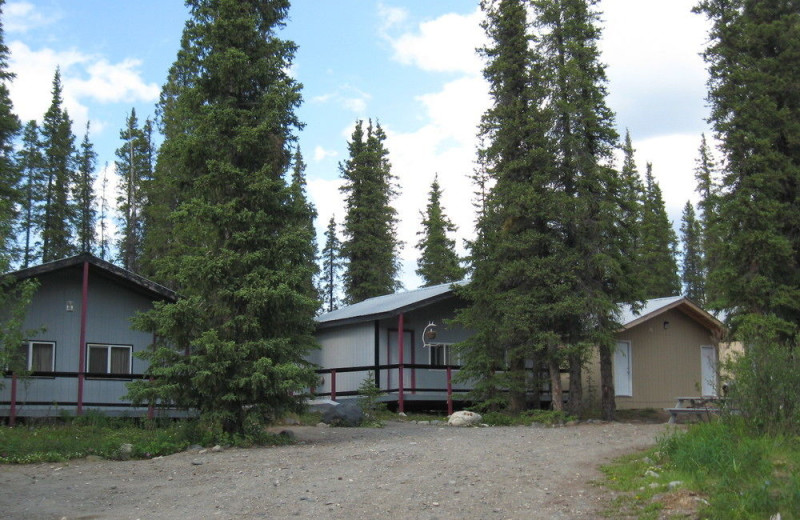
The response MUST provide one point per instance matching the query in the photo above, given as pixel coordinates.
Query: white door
(708, 369)
(623, 382)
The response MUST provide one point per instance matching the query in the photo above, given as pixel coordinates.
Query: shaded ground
(414, 470)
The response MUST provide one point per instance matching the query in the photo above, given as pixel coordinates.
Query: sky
(409, 64)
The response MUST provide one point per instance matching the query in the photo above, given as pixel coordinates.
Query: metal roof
(131, 279)
(391, 304)
(387, 305)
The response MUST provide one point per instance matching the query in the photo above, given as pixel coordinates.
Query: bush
(766, 385)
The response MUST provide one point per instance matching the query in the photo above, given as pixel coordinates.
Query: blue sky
(408, 63)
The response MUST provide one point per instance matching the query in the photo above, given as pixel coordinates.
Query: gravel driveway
(402, 471)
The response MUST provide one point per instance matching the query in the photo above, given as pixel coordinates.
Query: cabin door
(708, 369)
(623, 382)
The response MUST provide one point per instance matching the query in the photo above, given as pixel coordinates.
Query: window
(440, 354)
(109, 359)
(39, 356)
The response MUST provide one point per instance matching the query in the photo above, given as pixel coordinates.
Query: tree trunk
(575, 398)
(518, 386)
(608, 405)
(556, 394)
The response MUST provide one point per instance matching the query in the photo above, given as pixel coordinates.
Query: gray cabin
(403, 340)
(81, 354)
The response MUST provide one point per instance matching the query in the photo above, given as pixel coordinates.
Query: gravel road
(404, 470)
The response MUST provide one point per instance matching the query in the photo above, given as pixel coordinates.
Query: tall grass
(744, 474)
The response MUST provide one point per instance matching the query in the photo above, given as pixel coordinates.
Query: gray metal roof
(392, 304)
(386, 305)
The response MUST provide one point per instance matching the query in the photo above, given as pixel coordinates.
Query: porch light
(70, 307)
(666, 325)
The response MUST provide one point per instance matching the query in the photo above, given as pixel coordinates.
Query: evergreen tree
(370, 247)
(30, 162)
(586, 139)
(233, 347)
(752, 59)
(633, 191)
(10, 195)
(658, 248)
(84, 194)
(134, 168)
(692, 272)
(438, 262)
(102, 244)
(709, 199)
(58, 144)
(14, 297)
(331, 265)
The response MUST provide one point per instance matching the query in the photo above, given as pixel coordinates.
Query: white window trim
(108, 347)
(29, 355)
(448, 353)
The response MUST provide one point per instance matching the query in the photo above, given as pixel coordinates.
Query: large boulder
(347, 413)
(464, 418)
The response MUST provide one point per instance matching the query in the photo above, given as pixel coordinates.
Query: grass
(97, 435)
(724, 471)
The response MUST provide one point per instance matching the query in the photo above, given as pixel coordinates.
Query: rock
(216, 449)
(401, 414)
(674, 484)
(464, 418)
(291, 421)
(125, 451)
(654, 485)
(345, 414)
(198, 462)
(322, 425)
(650, 473)
(648, 461)
(194, 447)
(289, 434)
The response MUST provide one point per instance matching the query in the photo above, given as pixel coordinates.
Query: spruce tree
(10, 195)
(102, 243)
(370, 247)
(692, 266)
(331, 266)
(134, 168)
(438, 262)
(58, 143)
(84, 195)
(520, 272)
(658, 248)
(586, 139)
(238, 252)
(708, 188)
(30, 163)
(752, 58)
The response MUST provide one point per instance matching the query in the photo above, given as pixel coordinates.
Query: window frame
(28, 346)
(447, 354)
(108, 347)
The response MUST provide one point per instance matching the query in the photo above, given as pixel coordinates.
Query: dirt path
(402, 471)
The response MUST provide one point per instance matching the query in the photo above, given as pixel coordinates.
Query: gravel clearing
(404, 470)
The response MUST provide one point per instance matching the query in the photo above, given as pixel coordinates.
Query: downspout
(82, 346)
(12, 413)
(400, 355)
(377, 354)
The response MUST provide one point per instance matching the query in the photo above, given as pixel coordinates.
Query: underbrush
(526, 418)
(730, 472)
(72, 438)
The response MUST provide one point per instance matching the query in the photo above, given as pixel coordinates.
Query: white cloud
(445, 44)
(20, 17)
(320, 153)
(328, 200)
(111, 83)
(391, 16)
(348, 97)
(83, 77)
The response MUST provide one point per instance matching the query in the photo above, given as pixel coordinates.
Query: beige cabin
(670, 348)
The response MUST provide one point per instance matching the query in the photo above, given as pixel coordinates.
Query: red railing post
(449, 392)
(333, 384)
(82, 346)
(12, 414)
(400, 337)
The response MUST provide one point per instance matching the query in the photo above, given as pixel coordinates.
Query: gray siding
(109, 309)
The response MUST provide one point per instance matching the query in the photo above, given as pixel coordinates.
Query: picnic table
(698, 406)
